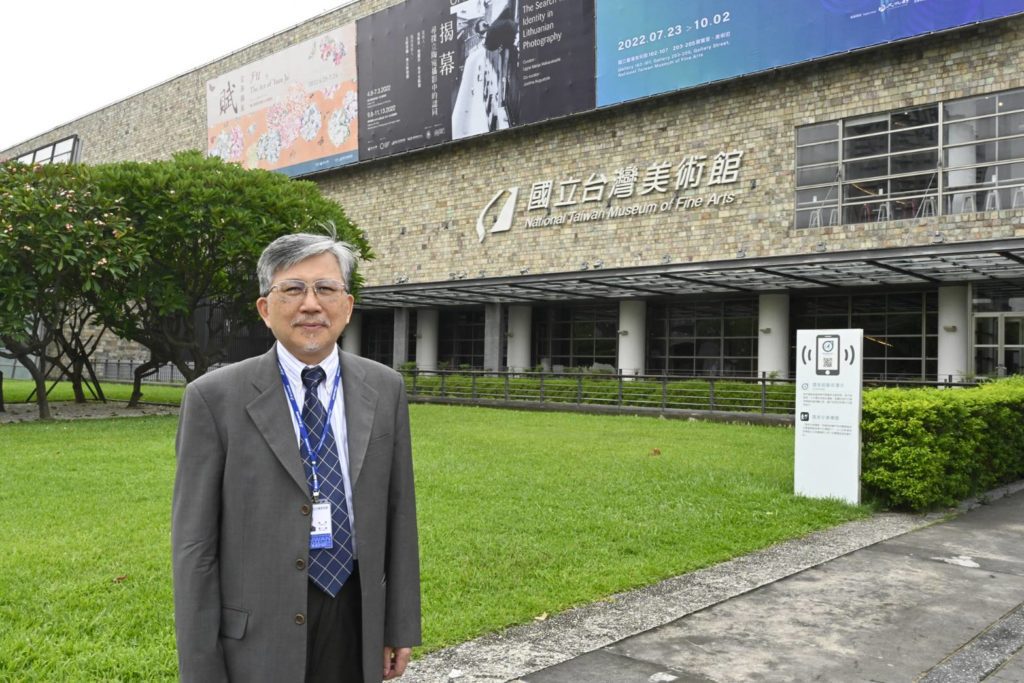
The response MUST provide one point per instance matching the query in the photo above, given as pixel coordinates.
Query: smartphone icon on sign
(827, 358)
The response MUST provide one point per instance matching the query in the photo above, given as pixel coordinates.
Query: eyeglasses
(294, 291)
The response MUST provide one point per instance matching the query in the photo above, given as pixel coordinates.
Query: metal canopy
(929, 265)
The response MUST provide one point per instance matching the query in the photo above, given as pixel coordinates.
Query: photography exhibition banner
(295, 111)
(405, 77)
(657, 46)
(431, 71)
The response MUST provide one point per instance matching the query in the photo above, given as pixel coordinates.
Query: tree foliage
(61, 238)
(203, 224)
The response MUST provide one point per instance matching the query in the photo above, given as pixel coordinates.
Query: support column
(632, 336)
(954, 332)
(520, 321)
(400, 342)
(352, 337)
(493, 334)
(773, 335)
(426, 338)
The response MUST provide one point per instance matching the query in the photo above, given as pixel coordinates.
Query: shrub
(924, 448)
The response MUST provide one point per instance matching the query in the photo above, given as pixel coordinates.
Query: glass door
(998, 344)
(1013, 344)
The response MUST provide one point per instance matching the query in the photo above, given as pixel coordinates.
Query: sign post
(828, 412)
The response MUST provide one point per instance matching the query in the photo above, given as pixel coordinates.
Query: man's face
(308, 327)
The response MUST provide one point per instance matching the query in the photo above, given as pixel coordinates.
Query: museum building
(687, 227)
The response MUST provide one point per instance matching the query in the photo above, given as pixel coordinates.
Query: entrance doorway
(998, 344)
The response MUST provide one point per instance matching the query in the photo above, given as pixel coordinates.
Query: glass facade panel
(60, 152)
(696, 338)
(580, 336)
(818, 154)
(377, 336)
(900, 329)
(461, 339)
(955, 157)
(817, 133)
(869, 146)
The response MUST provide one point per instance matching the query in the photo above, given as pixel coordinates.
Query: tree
(203, 223)
(60, 239)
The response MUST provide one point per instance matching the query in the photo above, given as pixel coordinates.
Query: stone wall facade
(420, 209)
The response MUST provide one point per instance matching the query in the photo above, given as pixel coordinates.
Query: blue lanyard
(314, 455)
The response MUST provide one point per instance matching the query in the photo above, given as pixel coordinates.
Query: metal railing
(657, 392)
(758, 395)
(124, 371)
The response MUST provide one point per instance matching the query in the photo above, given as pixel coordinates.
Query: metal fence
(761, 395)
(660, 393)
(124, 371)
(106, 371)
(12, 369)
(653, 392)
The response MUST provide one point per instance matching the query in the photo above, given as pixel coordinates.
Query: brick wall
(420, 210)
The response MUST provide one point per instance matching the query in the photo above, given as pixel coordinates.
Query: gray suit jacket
(240, 523)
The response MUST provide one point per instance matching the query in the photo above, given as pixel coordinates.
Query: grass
(520, 514)
(19, 390)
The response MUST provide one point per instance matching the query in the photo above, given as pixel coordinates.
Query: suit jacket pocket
(233, 622)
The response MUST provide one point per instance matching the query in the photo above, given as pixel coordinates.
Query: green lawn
(18, 390)
(520, 514)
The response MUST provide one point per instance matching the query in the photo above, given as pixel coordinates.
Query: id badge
(321, 536)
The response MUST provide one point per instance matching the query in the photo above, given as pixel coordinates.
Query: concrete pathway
(891, 598)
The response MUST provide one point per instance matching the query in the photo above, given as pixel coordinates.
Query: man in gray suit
(294, 520)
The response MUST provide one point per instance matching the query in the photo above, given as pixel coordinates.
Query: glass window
(817, 133)
(872, 145)
(867, 124)
(60, 152)
(461, 339)
(816, 175)
(870, 168)
(900, 337)
(817, 154)
(698, 339)
(892, 163)
(590, 338)
(910, 118)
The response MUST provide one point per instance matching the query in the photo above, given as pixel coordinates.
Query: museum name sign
(696, 181)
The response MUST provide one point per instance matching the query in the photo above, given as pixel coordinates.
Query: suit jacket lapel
(360, 405)
(270, 413)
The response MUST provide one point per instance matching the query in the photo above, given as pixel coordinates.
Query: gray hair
(286, 251)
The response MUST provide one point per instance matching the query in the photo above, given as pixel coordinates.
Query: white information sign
(828, 410)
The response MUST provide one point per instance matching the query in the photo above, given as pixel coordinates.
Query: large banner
(433, 71)
(295, 111)
(405, 78)
(656, 46)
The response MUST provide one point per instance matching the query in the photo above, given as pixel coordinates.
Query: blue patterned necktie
(328, 567)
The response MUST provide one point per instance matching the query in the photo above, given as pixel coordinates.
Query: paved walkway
(892, 598)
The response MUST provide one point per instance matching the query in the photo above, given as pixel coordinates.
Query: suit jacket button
(300, 563)
(300, 618)
(305, 510)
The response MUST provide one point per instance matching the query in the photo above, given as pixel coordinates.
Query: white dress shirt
(293, 368)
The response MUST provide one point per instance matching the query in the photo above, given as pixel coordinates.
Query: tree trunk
(76, 381)
(144, 370)
(42, 401)
(95, 381)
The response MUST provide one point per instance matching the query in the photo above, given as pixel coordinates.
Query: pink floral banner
(295, 111)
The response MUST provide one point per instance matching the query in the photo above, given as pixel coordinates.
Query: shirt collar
(293, 367)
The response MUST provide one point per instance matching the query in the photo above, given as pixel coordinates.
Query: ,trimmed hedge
(924, 448)
(682, 394)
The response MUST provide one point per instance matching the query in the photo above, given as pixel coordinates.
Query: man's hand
(395, 661)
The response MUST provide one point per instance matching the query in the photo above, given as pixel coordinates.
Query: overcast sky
(61, 59)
